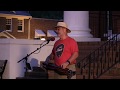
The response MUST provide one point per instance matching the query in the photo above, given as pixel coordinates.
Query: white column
(78, 23)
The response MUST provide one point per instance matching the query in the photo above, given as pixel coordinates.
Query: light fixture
(42, 38)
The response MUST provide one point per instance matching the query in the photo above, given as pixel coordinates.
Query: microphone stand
(28, 67)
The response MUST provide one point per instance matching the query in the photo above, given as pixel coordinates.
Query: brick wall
(42, 24)
(19, 35)
(2, 23)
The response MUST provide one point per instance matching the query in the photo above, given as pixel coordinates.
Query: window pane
(20, 28)
(8, 21)
(8, 24)
(8, 27)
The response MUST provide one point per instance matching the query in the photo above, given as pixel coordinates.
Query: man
(65, 50)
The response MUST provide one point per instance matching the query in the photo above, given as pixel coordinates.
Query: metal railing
(100, 60)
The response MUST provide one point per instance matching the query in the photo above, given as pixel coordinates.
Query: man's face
(61, 31)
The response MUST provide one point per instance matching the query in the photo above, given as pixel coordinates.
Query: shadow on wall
(34, 62)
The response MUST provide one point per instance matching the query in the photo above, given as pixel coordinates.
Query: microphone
(50, 39)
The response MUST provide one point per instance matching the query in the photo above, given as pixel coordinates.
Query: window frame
(10, 30)
(20, 25)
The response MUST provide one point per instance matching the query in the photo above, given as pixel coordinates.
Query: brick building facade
(97, 23)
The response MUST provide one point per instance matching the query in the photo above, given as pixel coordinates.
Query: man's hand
(64, 65)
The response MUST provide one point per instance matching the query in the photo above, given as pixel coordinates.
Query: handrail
(99, 56)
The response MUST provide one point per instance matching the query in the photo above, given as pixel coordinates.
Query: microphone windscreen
(53, 38)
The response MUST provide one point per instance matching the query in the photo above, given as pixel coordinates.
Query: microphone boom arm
(26, 57)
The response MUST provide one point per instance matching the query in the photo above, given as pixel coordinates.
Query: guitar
(59, 70)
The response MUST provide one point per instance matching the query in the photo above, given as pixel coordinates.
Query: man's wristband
(68, 61)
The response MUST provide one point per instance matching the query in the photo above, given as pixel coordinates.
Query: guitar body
(59, 70)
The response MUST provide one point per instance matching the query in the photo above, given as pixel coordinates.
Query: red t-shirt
(63, 49)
